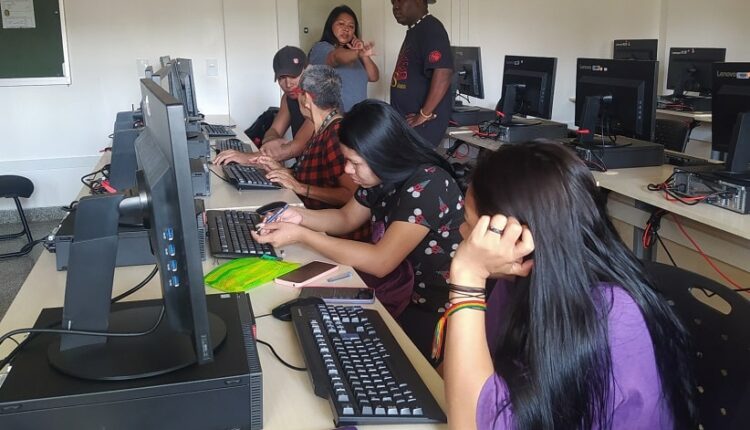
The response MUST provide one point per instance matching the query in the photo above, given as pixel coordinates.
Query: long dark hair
(555, 355)
(391, 148)
(328, 35)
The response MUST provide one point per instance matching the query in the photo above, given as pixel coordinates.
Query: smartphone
(340, 295)
(302, 276)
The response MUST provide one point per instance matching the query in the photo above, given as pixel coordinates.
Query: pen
(272, 217)
(339, 277)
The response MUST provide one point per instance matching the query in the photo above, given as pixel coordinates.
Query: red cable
(706, 257)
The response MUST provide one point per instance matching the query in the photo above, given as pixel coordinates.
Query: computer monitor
(467, 71)
(615, 97)
(176, 76)
(528, 87)
(689, 69)
(186, 333)
(183, 69)
(635, 49)
(731, 99)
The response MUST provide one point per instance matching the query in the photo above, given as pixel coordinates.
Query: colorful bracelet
(438, 340)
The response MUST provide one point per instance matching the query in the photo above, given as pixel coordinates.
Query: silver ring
(495, 230)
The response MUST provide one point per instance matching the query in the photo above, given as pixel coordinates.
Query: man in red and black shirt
(422, 77)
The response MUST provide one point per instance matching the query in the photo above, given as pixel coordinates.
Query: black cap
(289, 61)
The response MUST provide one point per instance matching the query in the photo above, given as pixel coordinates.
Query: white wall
(714, 24)
(566, 29)
(53, 134)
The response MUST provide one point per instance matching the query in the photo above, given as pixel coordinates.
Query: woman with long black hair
(574, 337)
(408, 193)
(341, 48)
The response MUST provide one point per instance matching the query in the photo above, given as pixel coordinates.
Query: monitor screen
(635, 49)
(689, 69)
(731, 97)
(467, 70)
(534, 81)
(630, 91)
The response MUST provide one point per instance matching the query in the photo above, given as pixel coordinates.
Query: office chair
(721, 343)
(14, 187)
(673, 134)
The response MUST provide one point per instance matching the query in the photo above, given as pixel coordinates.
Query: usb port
(171, 251)
(174, 281)
(172, 265)
(169, 234)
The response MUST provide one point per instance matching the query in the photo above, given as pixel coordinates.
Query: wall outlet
(212, 67)
(141, 64)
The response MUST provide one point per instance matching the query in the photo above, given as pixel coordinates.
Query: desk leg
(639, 250)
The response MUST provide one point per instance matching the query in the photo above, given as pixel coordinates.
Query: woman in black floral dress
(409, 194)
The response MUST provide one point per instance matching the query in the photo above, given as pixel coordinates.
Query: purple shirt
(638, 404)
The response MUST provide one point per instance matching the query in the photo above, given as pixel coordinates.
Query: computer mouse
(283, 311)
(269, 207)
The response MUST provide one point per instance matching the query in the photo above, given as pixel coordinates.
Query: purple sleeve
(638, 400)
(493, 405)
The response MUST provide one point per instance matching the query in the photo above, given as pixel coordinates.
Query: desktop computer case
(223, 395)
(544, 130)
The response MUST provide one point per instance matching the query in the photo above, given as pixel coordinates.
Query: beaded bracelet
(454, 288)
(438, 340)
(425, 116)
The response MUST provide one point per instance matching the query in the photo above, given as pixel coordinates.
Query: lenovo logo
(735, 75)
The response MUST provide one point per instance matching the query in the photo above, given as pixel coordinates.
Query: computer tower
(471, 115)
(133, 248)
(526, 130)
(224, 394)
(630, 153)
(200, 176)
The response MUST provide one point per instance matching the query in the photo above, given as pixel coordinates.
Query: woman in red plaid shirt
(318, 177)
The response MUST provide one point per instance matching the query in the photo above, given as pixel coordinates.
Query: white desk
(288, 398)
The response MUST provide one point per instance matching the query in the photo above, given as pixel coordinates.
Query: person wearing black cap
(288, 64)
(422, 77)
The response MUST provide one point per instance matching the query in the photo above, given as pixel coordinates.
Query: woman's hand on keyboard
(286, 179)
(267, 162)
(232, 156)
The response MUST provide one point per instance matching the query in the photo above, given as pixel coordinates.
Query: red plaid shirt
(321, 164)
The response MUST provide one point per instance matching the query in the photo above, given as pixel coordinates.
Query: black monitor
(467, 71)
(731, 105)
(615, 97)
(186, 333)
(689, 69)
(635, 49)
(176, 76)
(528, 87)
(184, 86)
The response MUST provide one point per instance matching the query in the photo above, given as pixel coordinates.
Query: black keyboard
(356, 364)
(235, 144)
(229, 234)
(216, 130)
(248, 177)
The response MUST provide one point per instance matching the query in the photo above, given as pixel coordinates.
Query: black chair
(673, 134)
(14, 187)
(721, 343)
